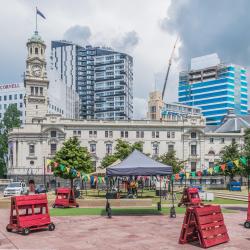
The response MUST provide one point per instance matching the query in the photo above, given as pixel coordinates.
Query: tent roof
(138, 164)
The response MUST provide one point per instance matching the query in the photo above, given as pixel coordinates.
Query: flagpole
(36, 19)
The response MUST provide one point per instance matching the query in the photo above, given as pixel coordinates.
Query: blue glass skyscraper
(214, 87)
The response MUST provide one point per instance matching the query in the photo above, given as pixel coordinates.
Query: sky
(146, 29)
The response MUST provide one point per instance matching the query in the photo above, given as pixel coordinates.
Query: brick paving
(120, 232)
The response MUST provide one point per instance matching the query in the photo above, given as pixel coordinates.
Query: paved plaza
(120, 232)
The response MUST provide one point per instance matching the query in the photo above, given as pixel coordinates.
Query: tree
(71, 160)
(170, 159)
(231, 153)
(122, 150)
(10, 120)
(246, 152)
(108, 160)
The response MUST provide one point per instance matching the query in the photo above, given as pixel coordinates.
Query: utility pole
(44, 172)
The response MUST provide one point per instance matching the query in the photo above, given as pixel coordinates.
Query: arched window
(36, 51)
(211, 152)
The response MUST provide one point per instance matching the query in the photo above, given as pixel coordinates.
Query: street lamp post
(44, 173)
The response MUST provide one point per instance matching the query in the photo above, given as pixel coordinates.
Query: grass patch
(92, 194)
(118, 211)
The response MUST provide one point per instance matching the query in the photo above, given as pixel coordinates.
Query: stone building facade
(31, 146)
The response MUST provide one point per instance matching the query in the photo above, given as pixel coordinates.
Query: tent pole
(159, 204)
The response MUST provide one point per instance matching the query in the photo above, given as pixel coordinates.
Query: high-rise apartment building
(215, 87)
(103, 78)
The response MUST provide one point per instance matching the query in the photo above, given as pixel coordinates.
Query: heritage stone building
(43, 134)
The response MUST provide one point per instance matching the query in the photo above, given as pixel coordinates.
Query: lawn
(92, 194)
(117, 211)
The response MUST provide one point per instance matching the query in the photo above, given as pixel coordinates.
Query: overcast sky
(146, 29)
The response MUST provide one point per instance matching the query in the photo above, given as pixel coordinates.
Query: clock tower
(36, 81)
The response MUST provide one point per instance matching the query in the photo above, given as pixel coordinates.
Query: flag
(243, 160)
(38, 12)
(210, 170)
(216, 169)
(177, 177)
(223, 167)
(236, 163)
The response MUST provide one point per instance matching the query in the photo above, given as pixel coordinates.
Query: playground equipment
(234, 186)
(65, 197)
(247, 223)
(28, 213)
(190, 197)
(204, 224)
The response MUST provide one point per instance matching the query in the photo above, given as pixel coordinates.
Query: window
(41, 91)
(193, 166)
(15, 97)
(10, 97)
(31, 149)
(172, 134)
(20, 104)
(233, 140)
(139, 134)
(193, 150)
(21, 96)
(36, 91)
(92, 147)
(79, 132)
(106, 134)
(0, 98)
(222, 140)
(0, 106)
(52, 148)
(124, 134)
(92, 133)
(168, 134)
(109, 134)
(193, 135)
(36, 51)
(155, 149)
(108, 148)
(5, 98)
(211, 140)
(153, 109)
(5, 106)
(53, 133)
(211, 152)
(170, 148)
(155, 134)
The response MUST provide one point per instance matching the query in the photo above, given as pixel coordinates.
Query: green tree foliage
(108, 160)
(71, 159)
(246, 152)
(122, 150)
(170, 159)
(229, 154)
(10, 120)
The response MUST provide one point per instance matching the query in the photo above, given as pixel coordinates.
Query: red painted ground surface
(121, 232)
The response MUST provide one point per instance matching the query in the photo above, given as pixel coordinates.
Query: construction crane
(169, 66)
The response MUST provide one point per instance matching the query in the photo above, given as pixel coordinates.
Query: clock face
(36, 70)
